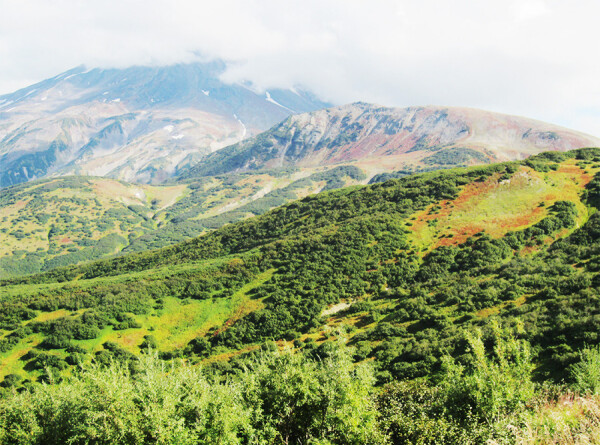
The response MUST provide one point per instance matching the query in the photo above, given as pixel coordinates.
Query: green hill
(412, 261)
(403, 268)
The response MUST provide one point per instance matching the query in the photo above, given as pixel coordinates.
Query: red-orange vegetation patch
(463, 201)
(20, 204)
(66, 240)
(528, 250)
(449, 221)
(505, 224)
(373, 145)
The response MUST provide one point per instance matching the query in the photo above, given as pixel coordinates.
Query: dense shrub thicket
(282, 397)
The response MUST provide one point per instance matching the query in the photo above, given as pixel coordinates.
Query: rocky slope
(137, 124)
(384, 139)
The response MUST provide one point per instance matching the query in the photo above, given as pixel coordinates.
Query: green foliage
(282, 398)
(494, 386)
(271, 278)
(472, 403)
(586, 372)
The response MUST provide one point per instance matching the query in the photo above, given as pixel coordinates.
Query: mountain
(381, 139)
(405, 267)
(138, 124)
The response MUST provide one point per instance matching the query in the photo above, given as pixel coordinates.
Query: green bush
(280, 398)
(489, 387)
(586, 373)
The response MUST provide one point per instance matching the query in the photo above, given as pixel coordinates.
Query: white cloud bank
(529, 57)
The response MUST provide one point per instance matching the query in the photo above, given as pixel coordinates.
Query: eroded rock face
(428, 136)
(138, 124)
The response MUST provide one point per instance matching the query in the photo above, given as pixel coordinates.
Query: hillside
(380, 139)
(137, 124)
(446, 307)
(62, 221)
(404, 266)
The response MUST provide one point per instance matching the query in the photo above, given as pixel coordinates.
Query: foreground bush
(285, 398)
(280, 398)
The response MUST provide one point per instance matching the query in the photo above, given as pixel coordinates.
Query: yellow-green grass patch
(497, 206)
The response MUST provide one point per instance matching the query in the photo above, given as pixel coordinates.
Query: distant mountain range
(381, 139)
(139, 124)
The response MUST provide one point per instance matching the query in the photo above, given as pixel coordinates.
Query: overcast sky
(537, 58)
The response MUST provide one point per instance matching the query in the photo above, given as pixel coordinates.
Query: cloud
(531, 9)
(535, 58)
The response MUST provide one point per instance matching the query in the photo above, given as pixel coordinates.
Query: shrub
(489, 387)
(586, 373)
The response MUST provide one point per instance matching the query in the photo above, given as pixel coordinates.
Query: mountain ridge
(138, 123)
(395, 137)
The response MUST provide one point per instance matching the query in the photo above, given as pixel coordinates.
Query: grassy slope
(258, 255)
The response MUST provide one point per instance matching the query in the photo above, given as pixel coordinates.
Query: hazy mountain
(383, 139)
(138, 124)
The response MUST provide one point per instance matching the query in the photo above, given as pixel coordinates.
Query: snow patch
(178, 136)
(118, 99)
(105, 93)
(206, 92)
(168, 128)
(244, 129)
(269, 99)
